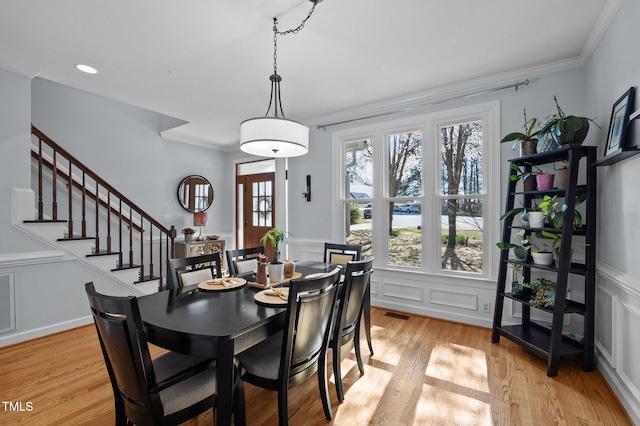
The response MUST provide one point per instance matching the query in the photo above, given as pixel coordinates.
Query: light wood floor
(424, 372)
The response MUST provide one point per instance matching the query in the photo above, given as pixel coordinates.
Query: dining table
(216, 325)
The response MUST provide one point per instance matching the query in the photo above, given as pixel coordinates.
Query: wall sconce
(307, 193)
(200, 219)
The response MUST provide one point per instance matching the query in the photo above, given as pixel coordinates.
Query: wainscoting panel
(629, 347)
(7, 303)
(617, 343)
(603, 327)
(403, 291)
(454, 299)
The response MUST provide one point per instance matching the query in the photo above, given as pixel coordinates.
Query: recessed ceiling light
(87, 69)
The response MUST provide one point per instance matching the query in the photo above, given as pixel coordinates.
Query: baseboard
(626, 398)
(14, 338)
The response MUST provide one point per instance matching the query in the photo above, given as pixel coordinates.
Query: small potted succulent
(188, 233)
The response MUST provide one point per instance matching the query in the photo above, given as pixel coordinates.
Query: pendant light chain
(276, 137)
(291, 31)
(275, 78)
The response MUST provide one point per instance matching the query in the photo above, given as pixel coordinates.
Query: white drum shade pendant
(276, 136)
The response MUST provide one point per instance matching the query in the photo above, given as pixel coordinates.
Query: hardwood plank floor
(425, 371)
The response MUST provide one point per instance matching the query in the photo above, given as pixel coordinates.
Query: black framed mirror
(195, 194)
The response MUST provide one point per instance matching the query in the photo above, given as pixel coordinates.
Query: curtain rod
(398, 111)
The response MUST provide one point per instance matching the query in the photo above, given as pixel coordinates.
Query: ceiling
(208, 62)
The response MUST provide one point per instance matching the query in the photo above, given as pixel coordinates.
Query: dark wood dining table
(214, 324)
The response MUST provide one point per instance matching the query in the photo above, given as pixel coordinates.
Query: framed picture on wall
(619, 121)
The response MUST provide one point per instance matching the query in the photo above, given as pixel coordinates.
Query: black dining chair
(167, 390)
(193, 270)
(340, 254)
(291, 356)
(346, 326)
(243, 262)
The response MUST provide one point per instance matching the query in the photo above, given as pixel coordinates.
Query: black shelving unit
(544, 341)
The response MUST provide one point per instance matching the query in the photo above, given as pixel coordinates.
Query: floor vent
(398, 316)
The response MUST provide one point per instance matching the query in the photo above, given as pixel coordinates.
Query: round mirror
(195, 194)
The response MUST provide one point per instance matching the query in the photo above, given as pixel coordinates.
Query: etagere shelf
(548, 341)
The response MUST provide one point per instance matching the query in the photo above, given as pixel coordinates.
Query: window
(416, 191)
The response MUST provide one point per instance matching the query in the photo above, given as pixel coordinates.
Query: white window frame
(429, 124)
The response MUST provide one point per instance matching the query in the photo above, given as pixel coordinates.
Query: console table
(199, 248)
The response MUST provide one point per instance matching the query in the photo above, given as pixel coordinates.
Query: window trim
(428, 123)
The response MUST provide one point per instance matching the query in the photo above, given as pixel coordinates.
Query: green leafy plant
(529, 132)
(556, 212)
(274, 237)
(544, 292)
(564, 128)
(520, 251)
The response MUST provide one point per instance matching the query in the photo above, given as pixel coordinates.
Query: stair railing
(109, 203)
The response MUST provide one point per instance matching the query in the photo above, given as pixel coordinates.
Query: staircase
(95, 223)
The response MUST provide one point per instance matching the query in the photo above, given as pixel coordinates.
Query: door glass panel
(262, 203)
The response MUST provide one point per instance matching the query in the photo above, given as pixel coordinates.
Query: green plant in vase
(274, 237)
(566, 129)
(527, 139)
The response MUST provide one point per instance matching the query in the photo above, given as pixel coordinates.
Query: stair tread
(125, 267)
(103, 253)
(45, 221)
(76, 238)
(146, 278)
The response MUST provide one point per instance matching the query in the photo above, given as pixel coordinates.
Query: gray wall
(15, 128)
(122, 143)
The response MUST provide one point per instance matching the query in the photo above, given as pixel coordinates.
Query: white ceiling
(208, 62)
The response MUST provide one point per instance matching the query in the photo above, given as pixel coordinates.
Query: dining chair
(193, 270)
(346, 325)
(294, 354)
(243, 261)
(340, 254)
(167, 390)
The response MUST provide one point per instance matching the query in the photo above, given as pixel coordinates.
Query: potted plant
(528, 179)
(527, 139)
(188, 233)
(274, 237)
(566, 129)
(555, 213)
(543, 292)
(521, 251)
(555, 250)
(541, 255)
(536, 216)
(562, 174)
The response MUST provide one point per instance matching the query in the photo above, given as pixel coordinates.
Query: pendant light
(276, 136)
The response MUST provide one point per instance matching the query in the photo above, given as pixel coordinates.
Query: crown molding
(17, 68)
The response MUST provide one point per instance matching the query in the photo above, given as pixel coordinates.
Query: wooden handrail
(103, 190)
